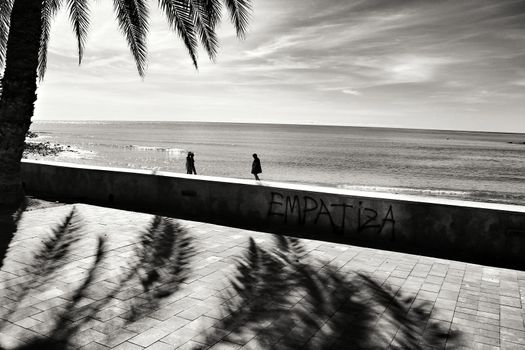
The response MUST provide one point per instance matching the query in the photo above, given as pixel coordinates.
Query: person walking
(256, 167)
(190, 164)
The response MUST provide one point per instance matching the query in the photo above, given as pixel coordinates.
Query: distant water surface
(466, 165)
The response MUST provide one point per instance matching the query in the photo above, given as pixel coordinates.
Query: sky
(447, 64)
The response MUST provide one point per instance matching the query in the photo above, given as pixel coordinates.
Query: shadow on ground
(160, 264)
(9, 218)
(279, 298)
(278, 302)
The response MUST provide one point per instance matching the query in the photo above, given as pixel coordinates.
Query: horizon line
(284, 123)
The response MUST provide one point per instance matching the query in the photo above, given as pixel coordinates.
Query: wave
(75, 122)
(38, 138)
(139, 147)
(475, 195)
(56, 151)
(406, 190)
(72, 152)
(174, 151)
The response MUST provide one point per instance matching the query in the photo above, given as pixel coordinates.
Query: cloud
(351, 92)
(418, 59)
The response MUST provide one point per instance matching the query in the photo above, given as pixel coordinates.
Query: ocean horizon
(468, 165)
(109, 121)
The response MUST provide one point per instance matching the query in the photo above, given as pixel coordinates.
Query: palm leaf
(239, 14)
(213, 8)
(49, 10)
(180, 18)
(79, 17)
(192, 20)
(5, 14)
(132, 16)
(206, 14)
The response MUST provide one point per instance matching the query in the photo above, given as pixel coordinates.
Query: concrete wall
(478, 232)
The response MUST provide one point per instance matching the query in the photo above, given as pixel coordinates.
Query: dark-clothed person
(190, 164)
(256, 166)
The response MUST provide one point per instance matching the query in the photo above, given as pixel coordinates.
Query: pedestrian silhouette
(190, 164)
(256, 166)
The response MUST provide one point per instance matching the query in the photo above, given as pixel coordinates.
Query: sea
(476, 166)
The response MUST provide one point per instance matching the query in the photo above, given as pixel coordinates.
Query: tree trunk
(18, 95)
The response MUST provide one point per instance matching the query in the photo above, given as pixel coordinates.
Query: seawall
(469, 231)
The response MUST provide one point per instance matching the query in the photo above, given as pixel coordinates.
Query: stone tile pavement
(85, 277)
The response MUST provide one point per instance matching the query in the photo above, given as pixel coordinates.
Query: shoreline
(74, 157)
(426, 164)
(431, 193)
(399, 193)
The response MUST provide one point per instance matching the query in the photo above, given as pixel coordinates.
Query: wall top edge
(293, 186)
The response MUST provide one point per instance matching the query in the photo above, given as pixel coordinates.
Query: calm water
(467, 165)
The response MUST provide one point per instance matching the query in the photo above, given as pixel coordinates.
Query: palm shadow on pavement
(10, 218)
(159, 264)
(277, 301)
(278, 297)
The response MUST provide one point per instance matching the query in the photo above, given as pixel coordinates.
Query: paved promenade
(85, 277)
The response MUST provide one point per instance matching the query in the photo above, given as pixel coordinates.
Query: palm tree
(24, 35)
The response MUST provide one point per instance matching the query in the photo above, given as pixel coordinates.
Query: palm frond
(49, 10)
(132, 16)
(213, 8)
(239, 14)
(206, 14)
(5, 14)
(79, 17)
(180, 19)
